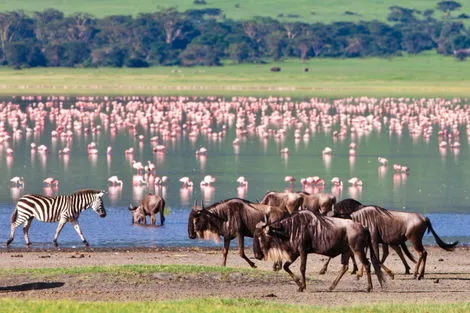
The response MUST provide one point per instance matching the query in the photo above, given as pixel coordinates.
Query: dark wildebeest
(344, 209)
(230, 219)
(305, 232)
(275, 69)
(149, 206)
(395, 228)
(318, 202)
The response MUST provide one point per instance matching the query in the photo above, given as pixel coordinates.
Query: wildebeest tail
(375, 262)
(13, 216)
(407, 252)
(442, 244)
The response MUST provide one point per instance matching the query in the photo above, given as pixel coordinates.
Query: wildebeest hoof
(322, 272)
(369, 289)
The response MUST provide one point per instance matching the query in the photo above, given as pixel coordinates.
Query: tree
(196, 54)
(448, 6)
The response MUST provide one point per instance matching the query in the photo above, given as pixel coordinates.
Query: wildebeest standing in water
(344, 209)
(306, 232)
(230, 219)
(395, 228)
(149, 206)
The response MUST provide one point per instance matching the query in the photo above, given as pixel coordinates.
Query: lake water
(405, 131)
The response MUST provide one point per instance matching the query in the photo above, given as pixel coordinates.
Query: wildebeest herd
(288, 225)
(284, 226)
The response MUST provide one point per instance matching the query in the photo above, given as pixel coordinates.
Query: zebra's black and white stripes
(62, 209)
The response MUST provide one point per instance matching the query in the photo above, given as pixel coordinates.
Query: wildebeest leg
(241, 250)
(375, 247)
(355, 268)
(361, 255)
(225, 251)
(26, 227)
(402, 258)
(295, 278)
(277, 266)
(344, 268)
(422, 259)
(153, 220)
(384, 257)
(303, 268)
(325, 267)
(162, 217)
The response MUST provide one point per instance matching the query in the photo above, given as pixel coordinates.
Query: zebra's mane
(85, 191)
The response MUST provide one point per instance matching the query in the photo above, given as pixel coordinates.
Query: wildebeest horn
(195, 204)
(131, 207)
(202, 204)
(265, 219)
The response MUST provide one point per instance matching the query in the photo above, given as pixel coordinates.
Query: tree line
(206, 37)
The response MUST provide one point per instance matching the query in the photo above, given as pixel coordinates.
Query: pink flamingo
(354, 181)
(115, 181)
(242, 182)
(186, 181)
(336, 181)
(50, 181)
(289, 179)
(17, 181)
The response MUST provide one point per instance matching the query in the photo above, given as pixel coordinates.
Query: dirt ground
(447, 278)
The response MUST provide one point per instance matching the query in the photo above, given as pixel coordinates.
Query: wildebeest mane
(345, 207)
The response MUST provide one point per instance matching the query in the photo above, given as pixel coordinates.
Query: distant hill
(310, 11)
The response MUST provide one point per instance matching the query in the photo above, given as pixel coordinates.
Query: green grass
(125, 269)
(424, 75)
(213, 305)
(307, 10)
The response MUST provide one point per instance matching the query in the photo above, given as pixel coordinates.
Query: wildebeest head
(203, 224)
(267, 242)
(97, 204)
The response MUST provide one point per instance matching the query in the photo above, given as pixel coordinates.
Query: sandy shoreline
(447, 278)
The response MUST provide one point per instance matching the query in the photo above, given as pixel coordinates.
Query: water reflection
(247, 142)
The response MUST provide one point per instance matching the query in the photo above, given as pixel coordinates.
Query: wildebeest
(149, 206)
(318, 202)
(230, 219)
(395, 228)
(345, 208)
(292, 200)
(275, 69)
(305, 232)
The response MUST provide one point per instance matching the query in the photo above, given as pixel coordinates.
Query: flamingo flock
(155, 122)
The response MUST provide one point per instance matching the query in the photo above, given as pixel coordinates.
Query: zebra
(62, 209)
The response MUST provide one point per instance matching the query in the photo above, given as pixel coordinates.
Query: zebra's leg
(58, 230)
(79, 232)
(26, 227)
(12, 234)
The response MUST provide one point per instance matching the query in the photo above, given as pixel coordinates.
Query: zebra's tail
(13, 216)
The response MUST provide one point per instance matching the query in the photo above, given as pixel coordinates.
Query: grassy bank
(125, 269)
(213, 305)
(427, 75)
(303, 10)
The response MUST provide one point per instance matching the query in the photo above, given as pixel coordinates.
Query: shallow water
(437, 185)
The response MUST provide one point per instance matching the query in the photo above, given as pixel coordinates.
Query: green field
(424, 75)
(212, 306)
(306, 10)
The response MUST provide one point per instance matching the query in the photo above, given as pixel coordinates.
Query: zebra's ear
(101, 193)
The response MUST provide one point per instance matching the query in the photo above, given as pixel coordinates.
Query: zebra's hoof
(86, 243)
(56, 244)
